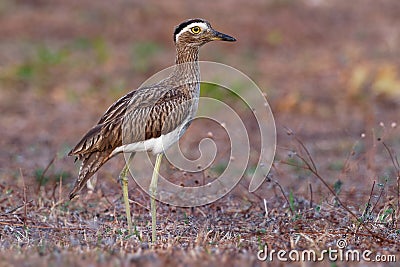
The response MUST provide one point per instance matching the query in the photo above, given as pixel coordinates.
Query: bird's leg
(153, 192)
(123, 176)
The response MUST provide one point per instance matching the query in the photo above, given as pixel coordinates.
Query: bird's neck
(187, 69)
(186, 54)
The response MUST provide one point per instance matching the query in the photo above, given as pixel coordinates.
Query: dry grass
(41, 227)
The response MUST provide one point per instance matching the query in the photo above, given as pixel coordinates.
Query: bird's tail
(90, 164)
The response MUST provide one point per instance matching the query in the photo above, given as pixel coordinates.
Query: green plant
(141, 55)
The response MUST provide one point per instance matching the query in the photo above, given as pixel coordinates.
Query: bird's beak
(219, 36)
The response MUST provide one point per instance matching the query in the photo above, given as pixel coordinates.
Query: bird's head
(197, 32)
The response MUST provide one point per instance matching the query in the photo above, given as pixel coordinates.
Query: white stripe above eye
(202, 25)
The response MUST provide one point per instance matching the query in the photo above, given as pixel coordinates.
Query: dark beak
(219, 36)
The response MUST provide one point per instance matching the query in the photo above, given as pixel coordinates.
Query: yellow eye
(195, 29)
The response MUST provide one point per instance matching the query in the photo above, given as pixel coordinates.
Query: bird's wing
(91, 163)
(106, 135)
(155, 115)
(137, 116)
(140, 115)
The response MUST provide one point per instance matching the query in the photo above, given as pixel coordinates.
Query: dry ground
(331, 71)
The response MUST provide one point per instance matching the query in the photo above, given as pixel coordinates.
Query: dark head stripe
(181, 26)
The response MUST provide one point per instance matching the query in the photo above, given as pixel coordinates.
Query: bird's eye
(195, 29)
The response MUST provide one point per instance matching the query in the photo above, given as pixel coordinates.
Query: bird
(151, 118)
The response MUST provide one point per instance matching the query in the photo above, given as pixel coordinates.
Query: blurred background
(330, 69)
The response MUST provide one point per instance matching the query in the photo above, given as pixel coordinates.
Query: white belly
(154, 145)
(162, 143)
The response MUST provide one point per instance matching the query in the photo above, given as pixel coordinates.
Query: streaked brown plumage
(149, 113)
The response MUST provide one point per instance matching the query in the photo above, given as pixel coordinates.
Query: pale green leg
(124, 180)
(153, 192)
